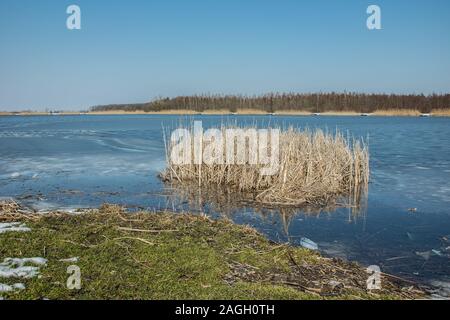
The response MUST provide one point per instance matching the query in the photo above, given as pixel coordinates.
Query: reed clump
(315, 168)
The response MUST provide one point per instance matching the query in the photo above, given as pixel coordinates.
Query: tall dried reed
(315, 167)
(397, 112)
(441, 112)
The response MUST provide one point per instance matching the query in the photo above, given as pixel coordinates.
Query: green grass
(192, 257)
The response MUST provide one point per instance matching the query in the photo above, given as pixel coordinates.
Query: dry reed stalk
(10, 210)
(397, 112)
(315, 168)
(441, 112)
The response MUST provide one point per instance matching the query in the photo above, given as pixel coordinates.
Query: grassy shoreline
(175, 256)
(384, 113)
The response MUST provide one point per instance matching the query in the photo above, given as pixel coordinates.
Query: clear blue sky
(133, 51)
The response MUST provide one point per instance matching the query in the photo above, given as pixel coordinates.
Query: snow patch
(21, 267)
(14, 287)
(13, 227)
(74, 259)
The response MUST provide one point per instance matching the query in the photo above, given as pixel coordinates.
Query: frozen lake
(81, 161)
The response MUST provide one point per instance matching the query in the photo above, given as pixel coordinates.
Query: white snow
(14, 287)
(21, 267)
(74, 259)
(13, 227)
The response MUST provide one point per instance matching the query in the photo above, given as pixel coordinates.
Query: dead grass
(216, 111)
(10, 210)
(293, 112)
(251, 111)
(315, 168)
(441, 112)
(397, 112)
(9, 206)
(341, 113)
(118, 112)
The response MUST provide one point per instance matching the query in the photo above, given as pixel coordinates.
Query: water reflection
(225, 203)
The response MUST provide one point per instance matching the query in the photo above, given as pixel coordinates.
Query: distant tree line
(310, 102)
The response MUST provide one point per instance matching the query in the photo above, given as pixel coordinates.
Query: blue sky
(134, 51)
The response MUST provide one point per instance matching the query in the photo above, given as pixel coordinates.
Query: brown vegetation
(441, 112)
(397, 112)
(315, 168)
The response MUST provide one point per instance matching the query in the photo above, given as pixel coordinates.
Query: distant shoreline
(392, 112)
